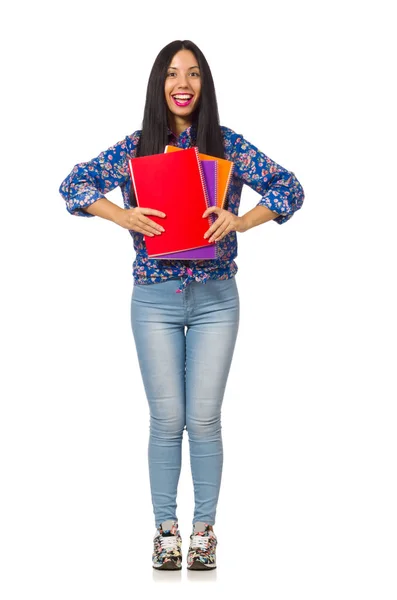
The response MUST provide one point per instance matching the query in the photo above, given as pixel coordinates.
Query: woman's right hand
(134, 219)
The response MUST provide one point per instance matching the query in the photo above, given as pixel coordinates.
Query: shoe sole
(197, 565)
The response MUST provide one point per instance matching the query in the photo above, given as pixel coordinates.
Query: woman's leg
(213, 310)
(157, 319)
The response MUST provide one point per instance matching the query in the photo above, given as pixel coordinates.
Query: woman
(184, 314)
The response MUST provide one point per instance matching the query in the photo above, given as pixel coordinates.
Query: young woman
(184, 313)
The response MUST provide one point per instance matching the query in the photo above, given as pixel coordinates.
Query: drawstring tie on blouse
(202, 278)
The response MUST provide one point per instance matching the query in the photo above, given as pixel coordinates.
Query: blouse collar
(188, 134)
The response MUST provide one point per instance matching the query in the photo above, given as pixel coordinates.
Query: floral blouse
(280, 191)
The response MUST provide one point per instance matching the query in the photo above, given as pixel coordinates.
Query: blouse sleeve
(280, 190)
(89, 181)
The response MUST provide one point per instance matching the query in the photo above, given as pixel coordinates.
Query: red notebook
(173, 183)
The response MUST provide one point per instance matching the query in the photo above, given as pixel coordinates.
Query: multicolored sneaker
(167, 554)
(201, 555)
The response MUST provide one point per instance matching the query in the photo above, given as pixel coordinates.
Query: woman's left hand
(225, 223)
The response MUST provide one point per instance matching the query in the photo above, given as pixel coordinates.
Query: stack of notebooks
(182, 184)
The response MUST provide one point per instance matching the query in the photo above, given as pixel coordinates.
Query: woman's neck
(178, 124)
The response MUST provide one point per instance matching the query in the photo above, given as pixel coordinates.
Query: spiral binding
(216, 182)
(216, 203)
(133, 179)
(210, 217)
(227, 185)
(203, 184)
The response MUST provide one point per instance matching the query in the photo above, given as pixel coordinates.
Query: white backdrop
(309, 418)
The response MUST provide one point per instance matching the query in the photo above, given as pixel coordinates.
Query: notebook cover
(209, 251)
(225, 172)
(172, 183)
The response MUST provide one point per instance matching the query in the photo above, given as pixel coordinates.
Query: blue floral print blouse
(280, 191)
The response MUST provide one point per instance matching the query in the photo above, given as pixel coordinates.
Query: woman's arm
(257, 216)
(89, 181)
(281, 191)
(105, 209)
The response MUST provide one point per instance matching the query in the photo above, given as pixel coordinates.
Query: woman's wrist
(105, 209)
(258, 215)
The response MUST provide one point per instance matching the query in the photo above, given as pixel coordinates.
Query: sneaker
(201, 554)
(167, 553)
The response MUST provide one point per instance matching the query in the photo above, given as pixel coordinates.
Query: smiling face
(182, 89)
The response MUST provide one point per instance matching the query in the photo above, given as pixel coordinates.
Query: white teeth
(182, 97)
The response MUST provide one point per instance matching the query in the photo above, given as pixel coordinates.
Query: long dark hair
(154, 137)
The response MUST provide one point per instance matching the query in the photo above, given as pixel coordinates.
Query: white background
(308, 496)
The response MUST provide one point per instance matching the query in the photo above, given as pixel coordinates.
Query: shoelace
(199, 541)
(169, 542)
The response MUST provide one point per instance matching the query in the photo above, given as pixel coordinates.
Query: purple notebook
(209, 251)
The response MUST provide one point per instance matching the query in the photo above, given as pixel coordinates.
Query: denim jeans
(185, 344)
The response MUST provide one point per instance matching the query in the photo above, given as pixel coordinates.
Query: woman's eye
(171, 74)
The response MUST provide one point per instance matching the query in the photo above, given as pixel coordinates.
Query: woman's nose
(183, 81)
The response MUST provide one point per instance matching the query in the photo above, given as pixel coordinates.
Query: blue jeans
(184, 374)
